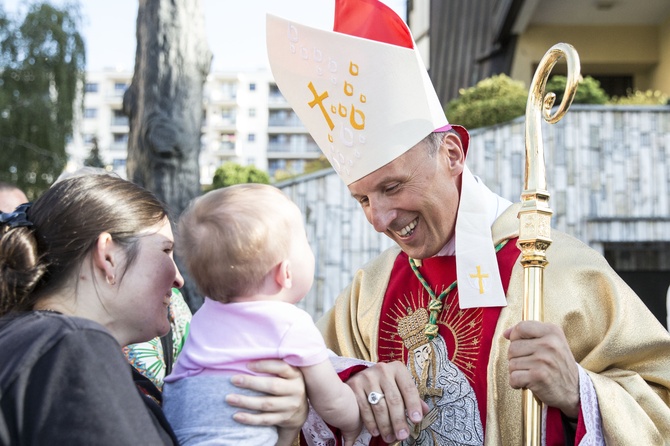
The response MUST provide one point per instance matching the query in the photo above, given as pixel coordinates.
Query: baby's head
(246, 241)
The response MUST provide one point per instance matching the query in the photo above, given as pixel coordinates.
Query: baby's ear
(283, 275)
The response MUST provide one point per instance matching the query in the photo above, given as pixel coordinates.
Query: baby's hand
(351, 436)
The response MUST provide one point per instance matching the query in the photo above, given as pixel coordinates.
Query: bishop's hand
(540, 360)
(387, 415)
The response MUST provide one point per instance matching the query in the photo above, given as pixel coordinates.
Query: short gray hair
(434, 140)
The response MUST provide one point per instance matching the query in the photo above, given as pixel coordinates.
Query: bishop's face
(414, 198)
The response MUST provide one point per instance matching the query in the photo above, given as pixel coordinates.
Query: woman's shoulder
(44, 326)
(26, 337)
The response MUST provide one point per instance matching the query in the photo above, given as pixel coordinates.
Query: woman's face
(141, 310)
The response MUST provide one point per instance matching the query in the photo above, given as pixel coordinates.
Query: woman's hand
(285, 405)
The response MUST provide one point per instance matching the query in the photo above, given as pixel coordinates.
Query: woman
(85, 270)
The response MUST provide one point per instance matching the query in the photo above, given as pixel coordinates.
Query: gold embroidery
(465, 330)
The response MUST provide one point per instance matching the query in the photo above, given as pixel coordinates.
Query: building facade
(246, 120)
(624, 44)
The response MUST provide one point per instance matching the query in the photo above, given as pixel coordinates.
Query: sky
(235, 29)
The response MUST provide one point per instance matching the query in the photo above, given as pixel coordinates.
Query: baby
(246, 249)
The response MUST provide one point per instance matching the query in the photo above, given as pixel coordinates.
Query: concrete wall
(608, 175)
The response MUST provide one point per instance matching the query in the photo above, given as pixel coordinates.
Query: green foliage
(588, 90)
(649, 97)
(42, 66)
(491, 101)
(232, 173)
(317, 164)
(293, 171)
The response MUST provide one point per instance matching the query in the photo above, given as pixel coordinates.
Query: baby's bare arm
(333, 400)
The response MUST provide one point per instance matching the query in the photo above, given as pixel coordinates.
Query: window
(120, 137)
(229, 90)
(252, 86)
(275, 165)
(228, 116)
(252, 112)
(120, 87)
(91, 87)
(228, 137)
(90, 113)
(227, 141)
(615, 85)
(119, 118)
(251, 137)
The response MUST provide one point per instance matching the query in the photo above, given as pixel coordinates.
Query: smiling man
(440, 314)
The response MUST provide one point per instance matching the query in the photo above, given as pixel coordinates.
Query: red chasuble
(467, 335)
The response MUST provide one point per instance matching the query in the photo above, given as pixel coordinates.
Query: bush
(638, 97)
(311, 166)
(232, 173)
(589, 90)
(491, 101)
(317, 164)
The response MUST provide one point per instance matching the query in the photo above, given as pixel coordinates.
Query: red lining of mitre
(462, 132)
(372, 20)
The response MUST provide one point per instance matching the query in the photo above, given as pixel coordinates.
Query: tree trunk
(164, 106)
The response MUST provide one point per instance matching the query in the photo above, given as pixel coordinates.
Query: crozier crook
(535, 214)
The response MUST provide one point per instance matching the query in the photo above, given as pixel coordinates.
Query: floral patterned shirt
(147, 357)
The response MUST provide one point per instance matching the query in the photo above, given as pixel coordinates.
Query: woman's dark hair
(66, 222)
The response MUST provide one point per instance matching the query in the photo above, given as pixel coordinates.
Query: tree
(42, 67)
(232, 173)
(164, 105)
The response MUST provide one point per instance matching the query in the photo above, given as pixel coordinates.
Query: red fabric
(351, 371)
(554, 428)
(372, 20)
(555, 433)
(468, 333)
(581, 428)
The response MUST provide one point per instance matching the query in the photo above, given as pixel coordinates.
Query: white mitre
(341, 88)
(364, 95)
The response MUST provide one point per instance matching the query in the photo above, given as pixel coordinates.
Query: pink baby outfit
(224, 337)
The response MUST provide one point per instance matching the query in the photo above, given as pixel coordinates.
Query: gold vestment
(612, 335)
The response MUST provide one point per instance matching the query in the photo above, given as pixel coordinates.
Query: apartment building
(246, 120)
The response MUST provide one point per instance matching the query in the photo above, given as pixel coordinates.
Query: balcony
(223, 149)
(284, 148)
(119, 121)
